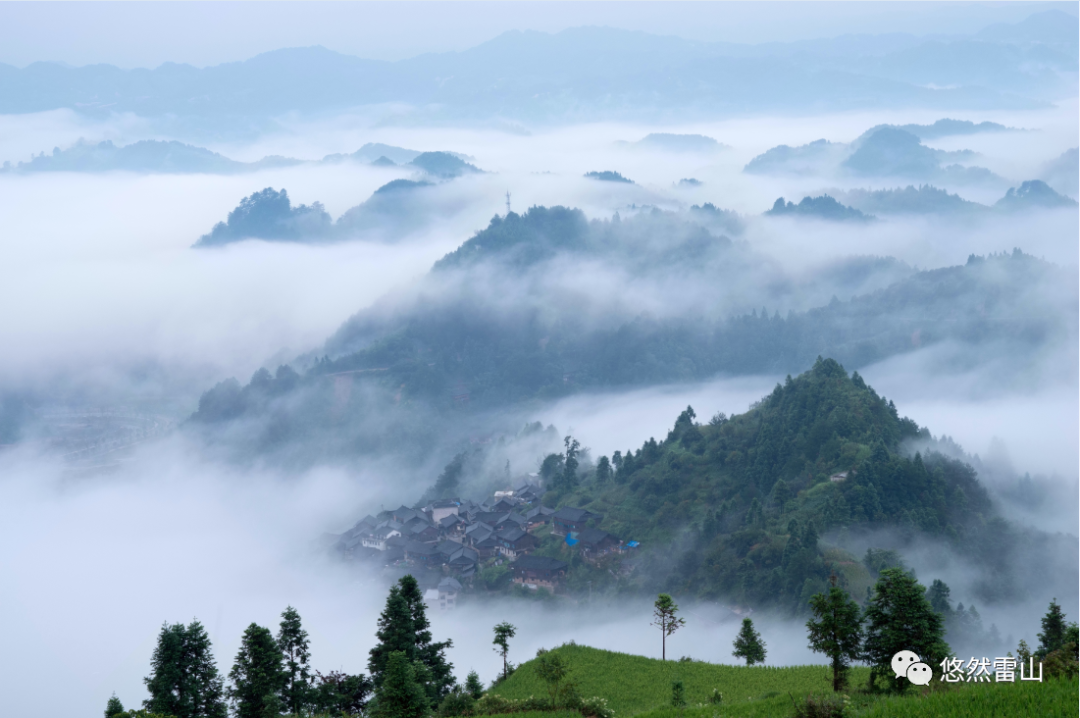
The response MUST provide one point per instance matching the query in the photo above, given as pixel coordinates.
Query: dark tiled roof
(571, 514)
(539, 563)
(512, 535)
(592, 537)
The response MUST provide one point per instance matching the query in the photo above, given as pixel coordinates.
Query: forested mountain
(924, 199)
(881, 151)
(735, 508)
(394, 210)
(445, 350)
(823, 207)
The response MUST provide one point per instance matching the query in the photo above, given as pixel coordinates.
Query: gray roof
(571, 514)
(512, 535)
(538, 563)
(449, 585)
(593, 536)
(423, 549)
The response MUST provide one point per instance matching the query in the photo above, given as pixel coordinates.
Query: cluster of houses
(450, 540)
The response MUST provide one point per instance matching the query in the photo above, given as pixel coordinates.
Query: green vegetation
(665, 618)
(635, 684)
(748, 644)
(184, 680)
(503, 633)
(404, 629)
(755, 492)
(900, 618)
(257, 676)
(836, 631)
(643, 687)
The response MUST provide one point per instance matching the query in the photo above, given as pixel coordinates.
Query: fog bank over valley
(807, 314)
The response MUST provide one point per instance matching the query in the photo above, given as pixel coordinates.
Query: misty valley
(599, 370)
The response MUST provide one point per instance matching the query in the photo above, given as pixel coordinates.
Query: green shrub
(457, 703)
(825, 706)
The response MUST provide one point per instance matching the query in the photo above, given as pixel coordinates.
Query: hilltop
(639, 686)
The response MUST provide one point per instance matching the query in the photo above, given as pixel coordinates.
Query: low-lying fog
(98, 276)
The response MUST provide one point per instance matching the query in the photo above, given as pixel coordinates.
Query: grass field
(641, 687)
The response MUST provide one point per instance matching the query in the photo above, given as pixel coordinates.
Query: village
(446, 543)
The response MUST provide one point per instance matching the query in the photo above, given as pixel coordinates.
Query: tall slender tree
(748, 644)
(665, 617)
(292, 639)
(836, 630)
(257, 675)
(503, 633)
(184, 680)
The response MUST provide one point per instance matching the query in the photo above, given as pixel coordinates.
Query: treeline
(408, 676)
(271, 676)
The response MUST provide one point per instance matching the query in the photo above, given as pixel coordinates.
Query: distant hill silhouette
(824, 207)
(608, 176)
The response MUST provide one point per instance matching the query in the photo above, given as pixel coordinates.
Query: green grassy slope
(635, 684)
(641, 687)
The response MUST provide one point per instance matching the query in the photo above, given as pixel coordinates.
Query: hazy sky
(132, 34)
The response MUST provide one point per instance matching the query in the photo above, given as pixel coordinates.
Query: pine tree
(292, 639)
(395, 634)
(257, 675)
(900, 618)
(836, 630)
(403, 627)
(184, 680)
(431, 655)
(748, 644)
(113, 707)
(1053, 630)
(603, 470)
(473, 685)
(400, 695)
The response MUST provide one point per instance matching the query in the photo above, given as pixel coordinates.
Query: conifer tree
(292, 639)
(184, 680)
(748, 644)
(257, 675)
(395, 633)
(836, 630)
(400, 695)
(113, 707)
(900, 618)
(1053, 630)
(432, 655)
(403, 627)
(473, 686)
